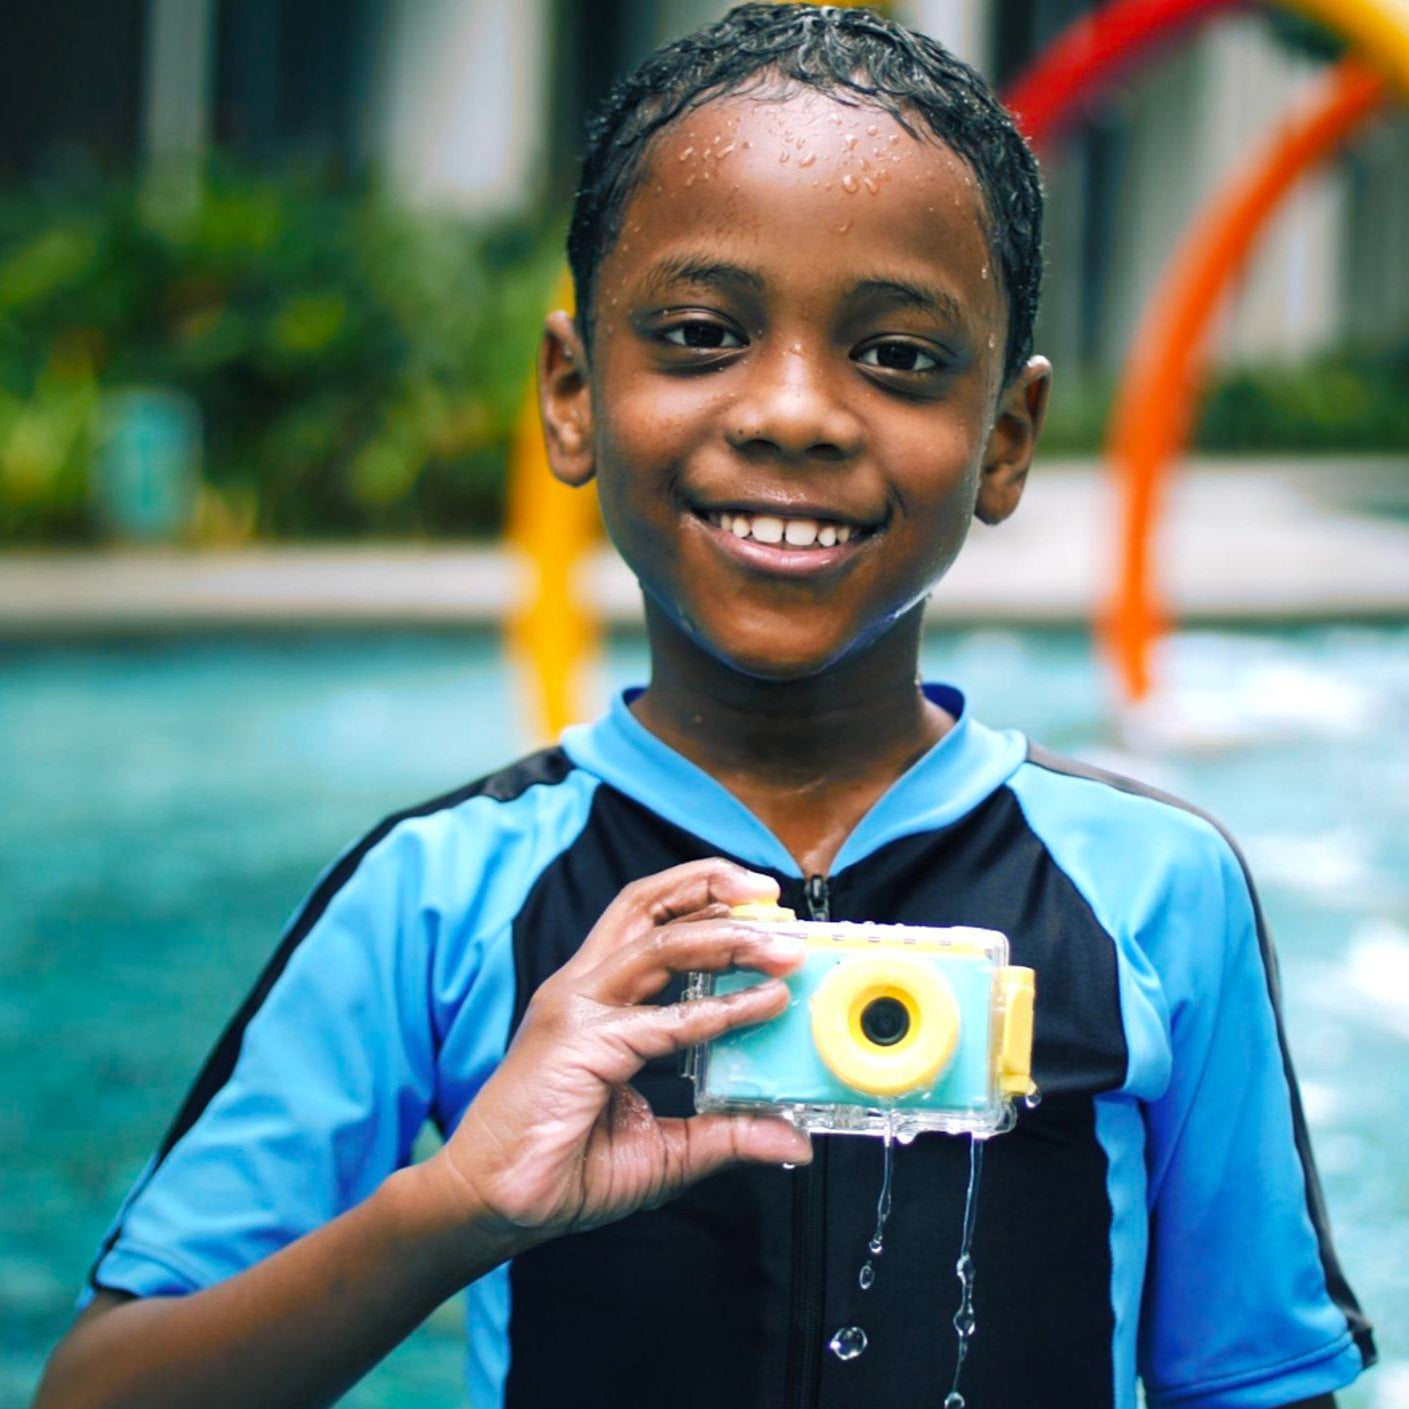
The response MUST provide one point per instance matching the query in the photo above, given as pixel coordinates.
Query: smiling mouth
(776, 530)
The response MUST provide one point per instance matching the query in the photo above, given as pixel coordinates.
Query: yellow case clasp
(1019, 988)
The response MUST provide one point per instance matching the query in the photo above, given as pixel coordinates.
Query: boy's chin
(772, 658)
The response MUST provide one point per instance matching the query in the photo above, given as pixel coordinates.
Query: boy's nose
(792, 409)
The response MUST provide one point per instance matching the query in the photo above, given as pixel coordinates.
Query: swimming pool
(167, 804)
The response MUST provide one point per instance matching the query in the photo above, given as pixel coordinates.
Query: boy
(806, 251)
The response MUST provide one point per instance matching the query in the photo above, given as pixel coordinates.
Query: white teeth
(773, 529)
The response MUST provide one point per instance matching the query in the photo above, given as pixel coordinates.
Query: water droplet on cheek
(687, 154)
(850, 139)
(872, 130)
(848, 1343)
(808, 159)
(849, 183)
(784, 156)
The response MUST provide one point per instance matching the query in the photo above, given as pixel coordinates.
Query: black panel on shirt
(693, 1306)
(546, 766)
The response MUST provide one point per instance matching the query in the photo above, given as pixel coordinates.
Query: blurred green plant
(358, 367)
(1346, 401)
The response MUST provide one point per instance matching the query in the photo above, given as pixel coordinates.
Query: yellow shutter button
(885, 1026)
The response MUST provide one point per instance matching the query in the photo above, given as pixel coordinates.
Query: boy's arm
(556, 1141)
(1245, 1299)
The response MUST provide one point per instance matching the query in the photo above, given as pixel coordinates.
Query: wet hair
(854, 56)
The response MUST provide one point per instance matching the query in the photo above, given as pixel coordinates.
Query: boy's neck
(807, 757)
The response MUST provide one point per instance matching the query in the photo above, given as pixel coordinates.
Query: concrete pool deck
(1241, 540)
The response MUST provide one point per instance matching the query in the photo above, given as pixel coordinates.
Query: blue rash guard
(1157, 1217)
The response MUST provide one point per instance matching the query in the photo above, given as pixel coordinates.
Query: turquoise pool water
(166, 805)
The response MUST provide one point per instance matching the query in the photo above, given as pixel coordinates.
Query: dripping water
(850, 1341)
(965, 1322)
(876, 1246)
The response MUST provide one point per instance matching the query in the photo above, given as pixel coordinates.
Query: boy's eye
(710, 337)
(895, 356)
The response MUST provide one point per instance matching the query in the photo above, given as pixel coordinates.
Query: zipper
(809, 1235)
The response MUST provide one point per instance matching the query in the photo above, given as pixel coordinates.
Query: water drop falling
(866, 1277)
(849, 183)
(847, 1343)
(965, 1321)
(906, 1137)
(789, 1166)
(1033, 1099)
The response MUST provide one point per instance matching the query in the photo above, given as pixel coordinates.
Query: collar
(969, 763)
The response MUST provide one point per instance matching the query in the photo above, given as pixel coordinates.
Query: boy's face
(799, 330)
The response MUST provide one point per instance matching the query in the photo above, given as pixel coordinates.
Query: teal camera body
(889, 1029)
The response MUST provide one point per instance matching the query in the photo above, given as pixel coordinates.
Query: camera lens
(885, 1021)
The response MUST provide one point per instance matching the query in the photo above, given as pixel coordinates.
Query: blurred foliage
(358, 367)
(1346, 401)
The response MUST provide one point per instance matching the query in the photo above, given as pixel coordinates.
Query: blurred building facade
(478, 105)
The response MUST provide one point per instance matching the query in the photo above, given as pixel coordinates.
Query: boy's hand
(558, 1140)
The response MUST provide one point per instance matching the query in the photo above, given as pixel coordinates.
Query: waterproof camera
(890, 1028)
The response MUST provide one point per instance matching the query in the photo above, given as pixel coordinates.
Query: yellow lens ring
(914, 1061)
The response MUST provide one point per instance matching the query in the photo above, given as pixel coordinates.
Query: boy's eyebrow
(699, 269)
(927, 297)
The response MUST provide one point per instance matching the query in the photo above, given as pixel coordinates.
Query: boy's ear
(565, 400)
(1022, 405)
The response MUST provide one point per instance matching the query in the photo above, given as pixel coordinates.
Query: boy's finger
(631, 1037)
(669, 895)
(701, 1144)
(641, 970)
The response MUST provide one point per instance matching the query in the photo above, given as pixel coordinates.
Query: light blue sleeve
(314, 1095)
(1244, 1306)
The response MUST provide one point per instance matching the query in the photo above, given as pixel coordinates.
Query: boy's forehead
(805, 176)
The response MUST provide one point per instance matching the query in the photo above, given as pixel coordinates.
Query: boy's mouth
(798, 533)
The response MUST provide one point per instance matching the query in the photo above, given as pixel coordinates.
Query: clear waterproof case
(890, 1027)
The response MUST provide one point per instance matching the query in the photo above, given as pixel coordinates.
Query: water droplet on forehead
(850, 139)
(687, 154)
(808, 159)
(849, 183)
(847, 1343)
(784, 156)
(872, 130)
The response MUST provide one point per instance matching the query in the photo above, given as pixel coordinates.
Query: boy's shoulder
(1136, 853)
(1074, 793)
